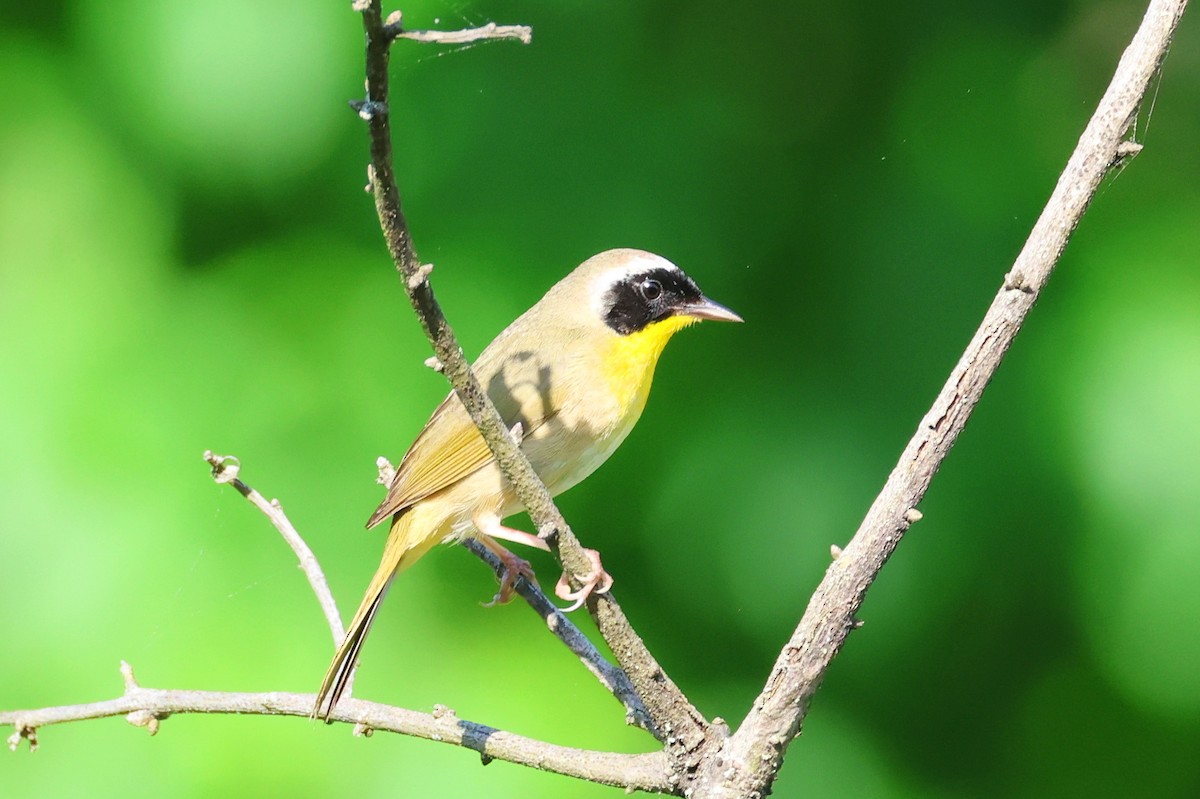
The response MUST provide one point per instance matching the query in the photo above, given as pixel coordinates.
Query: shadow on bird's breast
(555, 430)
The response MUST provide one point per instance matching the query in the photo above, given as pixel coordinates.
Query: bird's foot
(598, 581)
(514, 567)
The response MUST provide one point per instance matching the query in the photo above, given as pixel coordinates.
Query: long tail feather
(399, 553)
(337, 677)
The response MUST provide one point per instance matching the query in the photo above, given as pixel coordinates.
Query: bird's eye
(651, 289)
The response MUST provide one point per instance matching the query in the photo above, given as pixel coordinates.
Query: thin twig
(393, 28)
(669, 709)
(522, 33)
(610, 676)
(225, 470)
(147, 707)
(752, 756)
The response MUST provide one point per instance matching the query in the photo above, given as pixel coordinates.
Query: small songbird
(573, 372)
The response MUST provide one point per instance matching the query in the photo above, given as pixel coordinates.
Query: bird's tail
(403, 549)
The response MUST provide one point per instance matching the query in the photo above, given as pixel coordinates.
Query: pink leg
(490, 526)
(514, 567)
(598, 581)
(489, 530)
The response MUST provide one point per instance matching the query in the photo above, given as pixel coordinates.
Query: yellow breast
(585, 432)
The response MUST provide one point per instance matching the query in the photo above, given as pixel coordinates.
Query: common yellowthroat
(574, 372)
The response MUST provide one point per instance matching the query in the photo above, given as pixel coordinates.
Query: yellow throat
(630, 361)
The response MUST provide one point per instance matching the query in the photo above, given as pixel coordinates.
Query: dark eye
(651, 289)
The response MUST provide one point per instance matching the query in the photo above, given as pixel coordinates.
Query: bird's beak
(704, 308)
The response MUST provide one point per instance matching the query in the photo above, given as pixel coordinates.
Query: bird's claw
(514, 567)
(598, 581)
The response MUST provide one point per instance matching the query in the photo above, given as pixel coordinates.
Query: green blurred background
(188, 261)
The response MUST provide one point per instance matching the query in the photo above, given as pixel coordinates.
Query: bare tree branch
(522, 33)
(225, 469)
(148, 707)
(669, 709)
(752, 756)
(610, 676)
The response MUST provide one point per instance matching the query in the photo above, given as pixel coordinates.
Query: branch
(754, 753)
(147, 707)
(394, 29)
(225, 470)
(611, 677)
(668, 708)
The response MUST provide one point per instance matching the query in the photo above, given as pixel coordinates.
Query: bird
(571, 376)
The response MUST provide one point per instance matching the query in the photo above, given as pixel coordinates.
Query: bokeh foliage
(187, 261)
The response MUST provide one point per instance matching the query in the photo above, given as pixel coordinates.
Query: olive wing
(447, 450)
